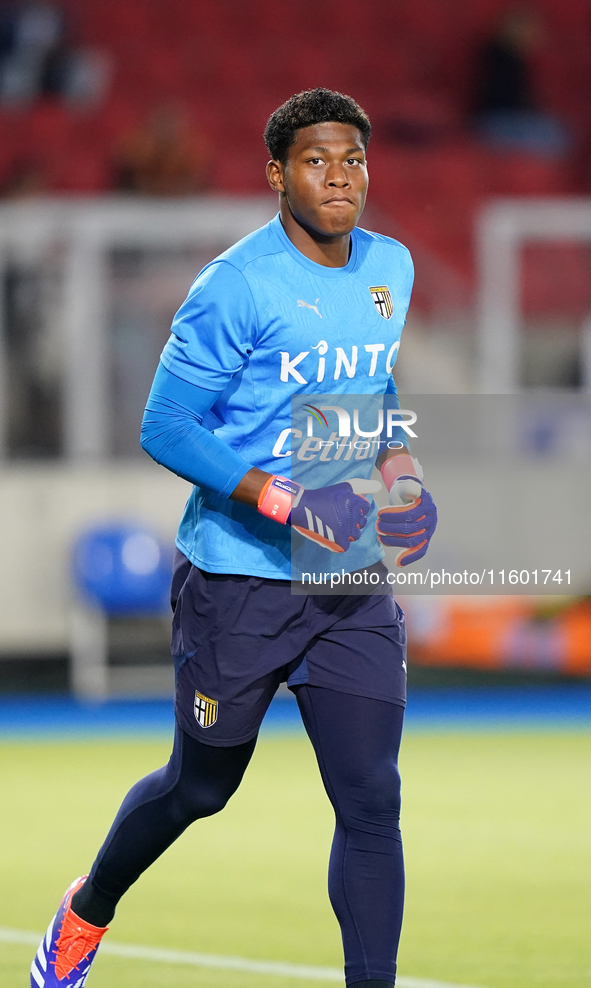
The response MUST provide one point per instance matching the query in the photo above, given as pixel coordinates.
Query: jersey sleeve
(172, 434)
(407, 283)
(398, 435)
(391, 399)
(214, 330)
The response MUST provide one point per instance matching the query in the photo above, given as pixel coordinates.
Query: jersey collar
(318, 269)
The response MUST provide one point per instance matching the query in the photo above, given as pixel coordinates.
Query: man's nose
(337, 176)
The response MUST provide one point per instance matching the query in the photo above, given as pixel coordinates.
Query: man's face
(324, 179)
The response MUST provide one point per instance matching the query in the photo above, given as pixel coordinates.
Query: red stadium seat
(230, 63)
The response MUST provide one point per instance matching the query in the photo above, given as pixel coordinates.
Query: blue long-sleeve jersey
(263, 324)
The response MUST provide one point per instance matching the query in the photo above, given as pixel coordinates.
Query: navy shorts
(236, 638)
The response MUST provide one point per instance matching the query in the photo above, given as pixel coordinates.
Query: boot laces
(74, 944)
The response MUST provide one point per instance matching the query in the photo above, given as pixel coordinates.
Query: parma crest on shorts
(382, 300)
(206, 710)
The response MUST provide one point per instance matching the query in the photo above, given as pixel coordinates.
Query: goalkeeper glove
(410, 520)
(332, 516)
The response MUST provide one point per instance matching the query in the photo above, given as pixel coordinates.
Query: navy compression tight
(356, 740)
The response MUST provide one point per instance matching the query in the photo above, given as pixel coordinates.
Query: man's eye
(315, 161)
(353, 161)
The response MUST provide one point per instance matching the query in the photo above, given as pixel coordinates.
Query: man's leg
(197, 782)
(356, 740)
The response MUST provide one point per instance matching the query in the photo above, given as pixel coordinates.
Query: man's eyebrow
(356, 147)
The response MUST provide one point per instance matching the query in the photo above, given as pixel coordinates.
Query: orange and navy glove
(333, 516)
(411, 519)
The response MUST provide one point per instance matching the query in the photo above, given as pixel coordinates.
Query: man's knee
(373, 799)
(204, 777)
(206, 801)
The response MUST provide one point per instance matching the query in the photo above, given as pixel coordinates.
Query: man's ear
(274, 172)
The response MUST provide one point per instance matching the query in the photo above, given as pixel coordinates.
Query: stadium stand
(229, 64)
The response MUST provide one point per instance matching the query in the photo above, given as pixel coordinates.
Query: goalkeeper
(309, 304)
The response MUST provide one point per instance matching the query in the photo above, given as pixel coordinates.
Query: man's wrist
(387, 454)
(400, 466)
(248, 491)
(277, 498)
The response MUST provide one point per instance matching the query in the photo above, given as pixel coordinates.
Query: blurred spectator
(507, 116)
(163, 157)
(36, 60)
(32, 51)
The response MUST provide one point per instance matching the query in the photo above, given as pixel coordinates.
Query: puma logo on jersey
(306, 305)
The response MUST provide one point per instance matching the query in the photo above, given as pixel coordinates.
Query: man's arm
(408, 524)
(173, 435)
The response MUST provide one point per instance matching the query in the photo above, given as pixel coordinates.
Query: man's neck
(331, 252)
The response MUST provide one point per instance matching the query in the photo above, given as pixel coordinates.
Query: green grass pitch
(496, 830)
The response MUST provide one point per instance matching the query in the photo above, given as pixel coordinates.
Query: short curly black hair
(313, 106)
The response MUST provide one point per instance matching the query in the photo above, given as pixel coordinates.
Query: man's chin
(341, 229)
(326, 224)
(339, 224)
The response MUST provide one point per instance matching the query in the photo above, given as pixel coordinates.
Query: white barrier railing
(503, 227)
(85, 230)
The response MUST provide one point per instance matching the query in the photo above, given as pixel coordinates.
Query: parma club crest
(206, 710)
(382, 300)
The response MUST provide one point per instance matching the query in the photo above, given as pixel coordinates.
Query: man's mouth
(337, 199)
